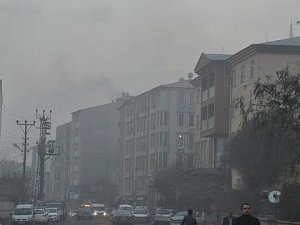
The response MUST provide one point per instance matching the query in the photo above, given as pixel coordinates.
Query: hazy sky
(66, 55)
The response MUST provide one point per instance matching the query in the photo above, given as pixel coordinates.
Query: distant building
(212, 107)
(59, 166)
(1, 103)
(156, 131)
(94, 153)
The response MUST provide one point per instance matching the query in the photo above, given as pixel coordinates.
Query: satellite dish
(274, 196)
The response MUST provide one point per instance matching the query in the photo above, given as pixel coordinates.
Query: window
(163, 98)
(233, 78)
(252, 69)
(180, 119)
(179, 161)
(152, 161)
(153, 102)
(191, 120)
(198, 122)
(190, 141)
(211, 115)
(163, 118)
(152, 121)
(205, 88)
(242, 73)
(211, 85)
(191, 98)
(181, 99)
(180, 140)
(165, 160)
(152, 140)
(204, 118)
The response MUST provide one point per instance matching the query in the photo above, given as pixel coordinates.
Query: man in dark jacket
(247, 218)
(229, 220)
(189, 219)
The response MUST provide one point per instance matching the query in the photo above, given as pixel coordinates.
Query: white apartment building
(249, 64)
(156, 131)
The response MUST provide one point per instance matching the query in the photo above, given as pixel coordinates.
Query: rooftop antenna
(291, 29)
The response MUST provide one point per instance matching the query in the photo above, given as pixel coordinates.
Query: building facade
(94, 153)
(59, 166)
(156, 132)
(212, 110)
(250, 64)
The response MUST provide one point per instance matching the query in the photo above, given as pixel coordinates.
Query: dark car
(84, 213)
(120, 217)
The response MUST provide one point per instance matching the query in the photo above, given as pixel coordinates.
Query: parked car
(52, 214)
(121, 217)
(141, 215)
(40, 215)
(84, 213)
(178, 218)
(163, 216)
(23, 214)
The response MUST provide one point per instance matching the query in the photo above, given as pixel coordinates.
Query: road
(73, 221)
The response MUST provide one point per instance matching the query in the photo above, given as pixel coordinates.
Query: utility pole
(26, 129)
(45, 125)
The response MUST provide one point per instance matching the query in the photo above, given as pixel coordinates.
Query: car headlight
(104, 214)
(95, 213)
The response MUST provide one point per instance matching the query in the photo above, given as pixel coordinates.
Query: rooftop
(295, 41)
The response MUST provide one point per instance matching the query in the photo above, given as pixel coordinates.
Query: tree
(273, 117)
(182, 188)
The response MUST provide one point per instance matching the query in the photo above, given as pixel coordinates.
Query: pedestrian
(246, 218)
(189, 219)
(229, 219)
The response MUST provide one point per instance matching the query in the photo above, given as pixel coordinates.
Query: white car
(141, 215)
(41, 215)
(23, 214)
(53, 214)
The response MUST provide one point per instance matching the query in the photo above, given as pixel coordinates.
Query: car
(99, 210)
(84, 213)
(121, 217)
(163, 216)
(72, 213)
(141, 215)
(178, 218)
(23, 214)
(126, 207)
(52, 214)
(40, 215)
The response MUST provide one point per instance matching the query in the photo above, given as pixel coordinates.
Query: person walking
(189, 219)
(229, 219)
(246, 218)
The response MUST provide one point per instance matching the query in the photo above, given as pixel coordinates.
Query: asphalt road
(73, 221)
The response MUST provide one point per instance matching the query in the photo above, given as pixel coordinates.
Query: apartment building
(156, 131)
(94, 153)
(59, 166)
(212, 107)
(250, 64)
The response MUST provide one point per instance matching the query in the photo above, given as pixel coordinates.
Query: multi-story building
(1, 103)
(249, 64)
(212, 106)
(59, 165)
(94, 152)
(156, 131)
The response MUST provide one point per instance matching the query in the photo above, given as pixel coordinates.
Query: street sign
(274, 196)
